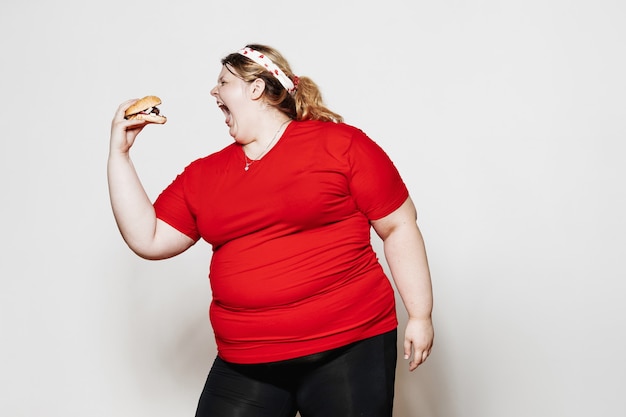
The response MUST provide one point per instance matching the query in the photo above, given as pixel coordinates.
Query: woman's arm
(406, 256)
(146, 235)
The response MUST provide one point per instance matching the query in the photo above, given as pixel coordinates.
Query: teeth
(226, 112)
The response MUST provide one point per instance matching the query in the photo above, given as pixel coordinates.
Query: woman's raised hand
(124, 132)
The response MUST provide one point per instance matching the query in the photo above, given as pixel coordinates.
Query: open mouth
(226, 112)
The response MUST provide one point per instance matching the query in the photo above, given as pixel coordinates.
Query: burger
(146, 109)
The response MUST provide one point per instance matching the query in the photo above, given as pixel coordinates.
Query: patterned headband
(269, 65)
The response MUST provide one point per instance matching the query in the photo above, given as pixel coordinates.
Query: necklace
(251, 161)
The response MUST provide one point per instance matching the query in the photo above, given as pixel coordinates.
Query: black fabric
(355, 380)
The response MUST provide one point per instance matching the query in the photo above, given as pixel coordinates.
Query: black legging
(356, 380)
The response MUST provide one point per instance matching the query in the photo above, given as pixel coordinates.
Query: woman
(303, 314)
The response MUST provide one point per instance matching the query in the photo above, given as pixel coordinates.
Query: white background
(506, 119)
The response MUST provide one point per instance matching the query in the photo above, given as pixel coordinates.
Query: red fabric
(292, 272)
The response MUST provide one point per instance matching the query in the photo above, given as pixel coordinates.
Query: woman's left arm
(406, 256)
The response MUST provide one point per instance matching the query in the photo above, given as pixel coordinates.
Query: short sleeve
(375, 183)
(173, 207)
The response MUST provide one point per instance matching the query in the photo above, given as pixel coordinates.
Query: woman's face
(234, 99)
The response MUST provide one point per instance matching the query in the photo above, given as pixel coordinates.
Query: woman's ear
(257, 87)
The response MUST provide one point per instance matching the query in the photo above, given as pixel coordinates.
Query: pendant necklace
(251, 161)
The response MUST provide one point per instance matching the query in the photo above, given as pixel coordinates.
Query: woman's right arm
(136, 219)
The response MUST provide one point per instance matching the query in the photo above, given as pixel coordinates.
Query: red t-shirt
(293, 271)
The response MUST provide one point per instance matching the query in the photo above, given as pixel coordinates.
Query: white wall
(506, 119)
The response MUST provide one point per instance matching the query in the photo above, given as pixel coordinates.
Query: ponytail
(309, 103)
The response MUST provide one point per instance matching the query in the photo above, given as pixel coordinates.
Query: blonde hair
(304, 104)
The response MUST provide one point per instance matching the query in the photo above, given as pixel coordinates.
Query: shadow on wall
(169, 342)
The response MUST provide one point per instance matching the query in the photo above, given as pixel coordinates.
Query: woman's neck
(268, 133)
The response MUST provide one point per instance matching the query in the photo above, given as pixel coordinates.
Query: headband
(269, 65)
